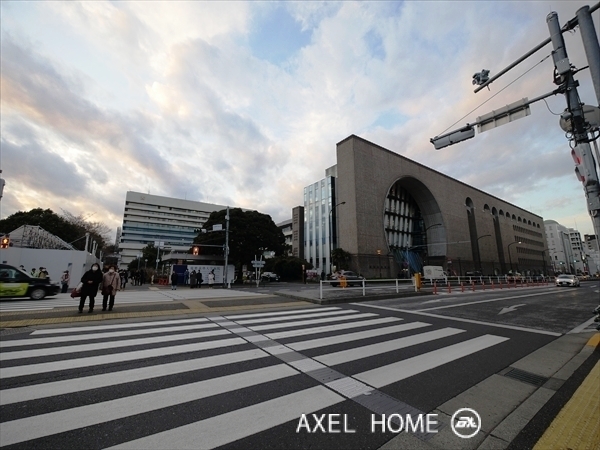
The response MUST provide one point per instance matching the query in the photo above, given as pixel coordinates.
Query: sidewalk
(549, 399)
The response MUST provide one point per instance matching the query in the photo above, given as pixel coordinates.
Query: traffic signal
(584, 165)
(5, 242)
(195, 250)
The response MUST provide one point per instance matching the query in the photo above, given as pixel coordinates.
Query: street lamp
(331, 233)
(509, 256)
(479, 253)
(379, 261)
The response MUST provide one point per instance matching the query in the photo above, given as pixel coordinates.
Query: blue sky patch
(276, 35)
(389, 120)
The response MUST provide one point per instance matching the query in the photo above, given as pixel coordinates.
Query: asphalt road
(245, 380)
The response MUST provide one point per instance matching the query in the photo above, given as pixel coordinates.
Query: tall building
(167, 222)
(320, 221)
(393, 215)
(591, 252)
(565, 248)
(293, 231)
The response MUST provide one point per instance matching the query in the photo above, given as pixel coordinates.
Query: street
(254, 380)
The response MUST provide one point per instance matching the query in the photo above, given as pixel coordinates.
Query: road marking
(105, 335)
(280, 313)
(116, 326)
(482, 301)
(19, 354)
(460, 319)
(291, 316)
(349, 337)
(353, 354)
(36, 427)
(582, 327)
(327, 328)
(510, 309)
(72, 385)
(230, 427)
(392, 373)
(31, 369)
(309, 322)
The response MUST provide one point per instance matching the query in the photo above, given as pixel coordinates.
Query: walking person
(111, 282)
(64, 281)
(193, 279)
(174, 277)
(199, 280)
(90, 282)
(211, 278)
(186, 277)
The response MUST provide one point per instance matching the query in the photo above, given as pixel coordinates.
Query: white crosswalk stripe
(55, 383)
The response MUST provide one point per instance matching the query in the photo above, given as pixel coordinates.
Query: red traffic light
(5, 242)
(195, 250)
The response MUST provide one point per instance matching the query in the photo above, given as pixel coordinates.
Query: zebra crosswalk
(213, 381)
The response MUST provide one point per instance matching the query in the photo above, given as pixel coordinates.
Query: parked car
(352, 278)
(16, 283)
(567, 279)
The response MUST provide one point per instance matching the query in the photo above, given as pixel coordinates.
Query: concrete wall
(55, 261)
(366, 172)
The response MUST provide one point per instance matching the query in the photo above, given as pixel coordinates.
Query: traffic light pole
(564, 75)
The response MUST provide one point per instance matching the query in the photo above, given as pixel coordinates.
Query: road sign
(256, 263)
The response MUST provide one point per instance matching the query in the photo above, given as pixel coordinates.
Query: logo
(467, 424)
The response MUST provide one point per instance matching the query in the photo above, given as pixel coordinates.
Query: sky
(242, 103)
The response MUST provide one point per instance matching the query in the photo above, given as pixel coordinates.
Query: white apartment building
(171, 223)
(286, 228)
(565, 248)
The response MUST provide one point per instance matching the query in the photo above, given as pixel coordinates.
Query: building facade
(286, 228)
(394, 215)
(167, 222)
(568, 252)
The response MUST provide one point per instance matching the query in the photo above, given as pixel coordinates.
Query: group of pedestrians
(193, 278)
(93, 280)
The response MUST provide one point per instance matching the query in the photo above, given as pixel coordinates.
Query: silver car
(567, 279)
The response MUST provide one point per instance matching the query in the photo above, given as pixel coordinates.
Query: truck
(434, 273)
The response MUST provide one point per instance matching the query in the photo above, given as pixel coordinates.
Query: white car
(567, 279)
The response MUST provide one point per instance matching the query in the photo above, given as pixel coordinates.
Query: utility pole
(582, 152)
(227, 247)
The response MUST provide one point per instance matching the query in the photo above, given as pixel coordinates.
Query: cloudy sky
(242, 103)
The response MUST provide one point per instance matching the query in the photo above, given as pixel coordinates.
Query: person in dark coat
(193, 279)
(199, 280)
(174, 281)
(90, 282)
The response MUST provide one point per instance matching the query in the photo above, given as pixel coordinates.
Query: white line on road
(392, 373)
(482, 301)
(116, 326)
(105, 335)
(36, 427)
(72, 385)
(274, 326)
(19, 354)
(349, 337)
(327, 328)
(460, 319)
(32, 369)
(582, 327)
(233, 426)
(353, 354)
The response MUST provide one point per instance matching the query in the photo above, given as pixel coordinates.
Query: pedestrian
(193, 279)
(42, 273)
(199, 280)
(211, 278)
(322, 275)
(111, 282)
(22, 267)
(33, 273)
(64, 281)
(186, 277)
(123, 274)
(174, 281)
(90, 282)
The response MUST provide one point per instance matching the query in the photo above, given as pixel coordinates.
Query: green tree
(250, 233)
(288, 268)
(150, 253)
(341, 259)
